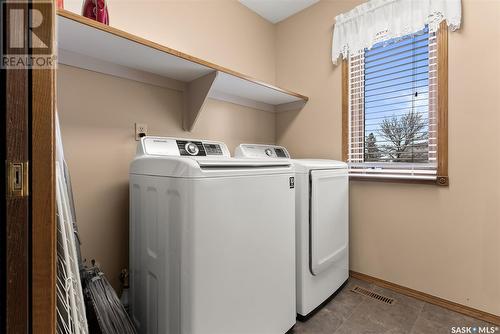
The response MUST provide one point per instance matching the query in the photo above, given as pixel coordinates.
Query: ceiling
(277, 10)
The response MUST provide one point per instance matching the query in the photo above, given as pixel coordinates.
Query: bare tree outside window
(405, 138)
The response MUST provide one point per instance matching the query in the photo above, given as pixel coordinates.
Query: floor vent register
(373, 295)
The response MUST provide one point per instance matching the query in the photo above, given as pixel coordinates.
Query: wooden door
(28, 234)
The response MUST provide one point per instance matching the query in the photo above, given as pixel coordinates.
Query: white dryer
(212, 240)
(322, 224)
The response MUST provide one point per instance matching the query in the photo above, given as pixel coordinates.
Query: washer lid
(180, 157)
(198, 167)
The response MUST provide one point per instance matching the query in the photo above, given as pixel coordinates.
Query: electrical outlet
(141, 130)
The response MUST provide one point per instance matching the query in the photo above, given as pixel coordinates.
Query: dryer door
(328, 218)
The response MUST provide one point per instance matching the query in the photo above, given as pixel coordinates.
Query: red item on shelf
(60, 4)
(96, 10)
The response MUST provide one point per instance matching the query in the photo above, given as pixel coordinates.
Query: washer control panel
(182, 147)
(191, 148)
(261, 151)
(213, 149)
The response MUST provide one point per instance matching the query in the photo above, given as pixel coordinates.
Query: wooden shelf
(94, 46)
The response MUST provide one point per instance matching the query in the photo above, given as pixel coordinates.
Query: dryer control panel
(261, 151)
(182, 147)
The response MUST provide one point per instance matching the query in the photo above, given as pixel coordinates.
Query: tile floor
(352, 313)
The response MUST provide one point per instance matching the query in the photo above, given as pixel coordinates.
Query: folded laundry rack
(86, 302)
(71, 315)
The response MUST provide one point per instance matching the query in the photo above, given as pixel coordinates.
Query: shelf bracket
(195, 97)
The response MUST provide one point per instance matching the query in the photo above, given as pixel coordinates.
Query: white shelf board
(86, 40)
(93, 46)
(236, 86)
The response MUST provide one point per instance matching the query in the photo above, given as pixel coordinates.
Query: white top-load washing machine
(322, 218)
(212, 240)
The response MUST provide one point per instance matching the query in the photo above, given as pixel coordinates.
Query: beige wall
(220, 31)
(442, 241)
(98, 111)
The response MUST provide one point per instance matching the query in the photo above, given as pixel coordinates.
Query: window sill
(439, 181)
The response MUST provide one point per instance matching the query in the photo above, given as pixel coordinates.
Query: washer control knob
(191, 148)
(269, 152)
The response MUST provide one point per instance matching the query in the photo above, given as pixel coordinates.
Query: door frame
(43, 215)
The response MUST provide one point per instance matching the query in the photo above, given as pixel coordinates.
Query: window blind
(393, 109)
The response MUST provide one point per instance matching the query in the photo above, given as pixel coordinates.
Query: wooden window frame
(442, 178)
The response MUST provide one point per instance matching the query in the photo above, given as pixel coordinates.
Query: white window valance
(381, 20)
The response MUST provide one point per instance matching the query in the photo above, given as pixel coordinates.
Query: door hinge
(17, 179)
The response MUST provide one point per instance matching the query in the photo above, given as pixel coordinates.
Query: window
(394, 109)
